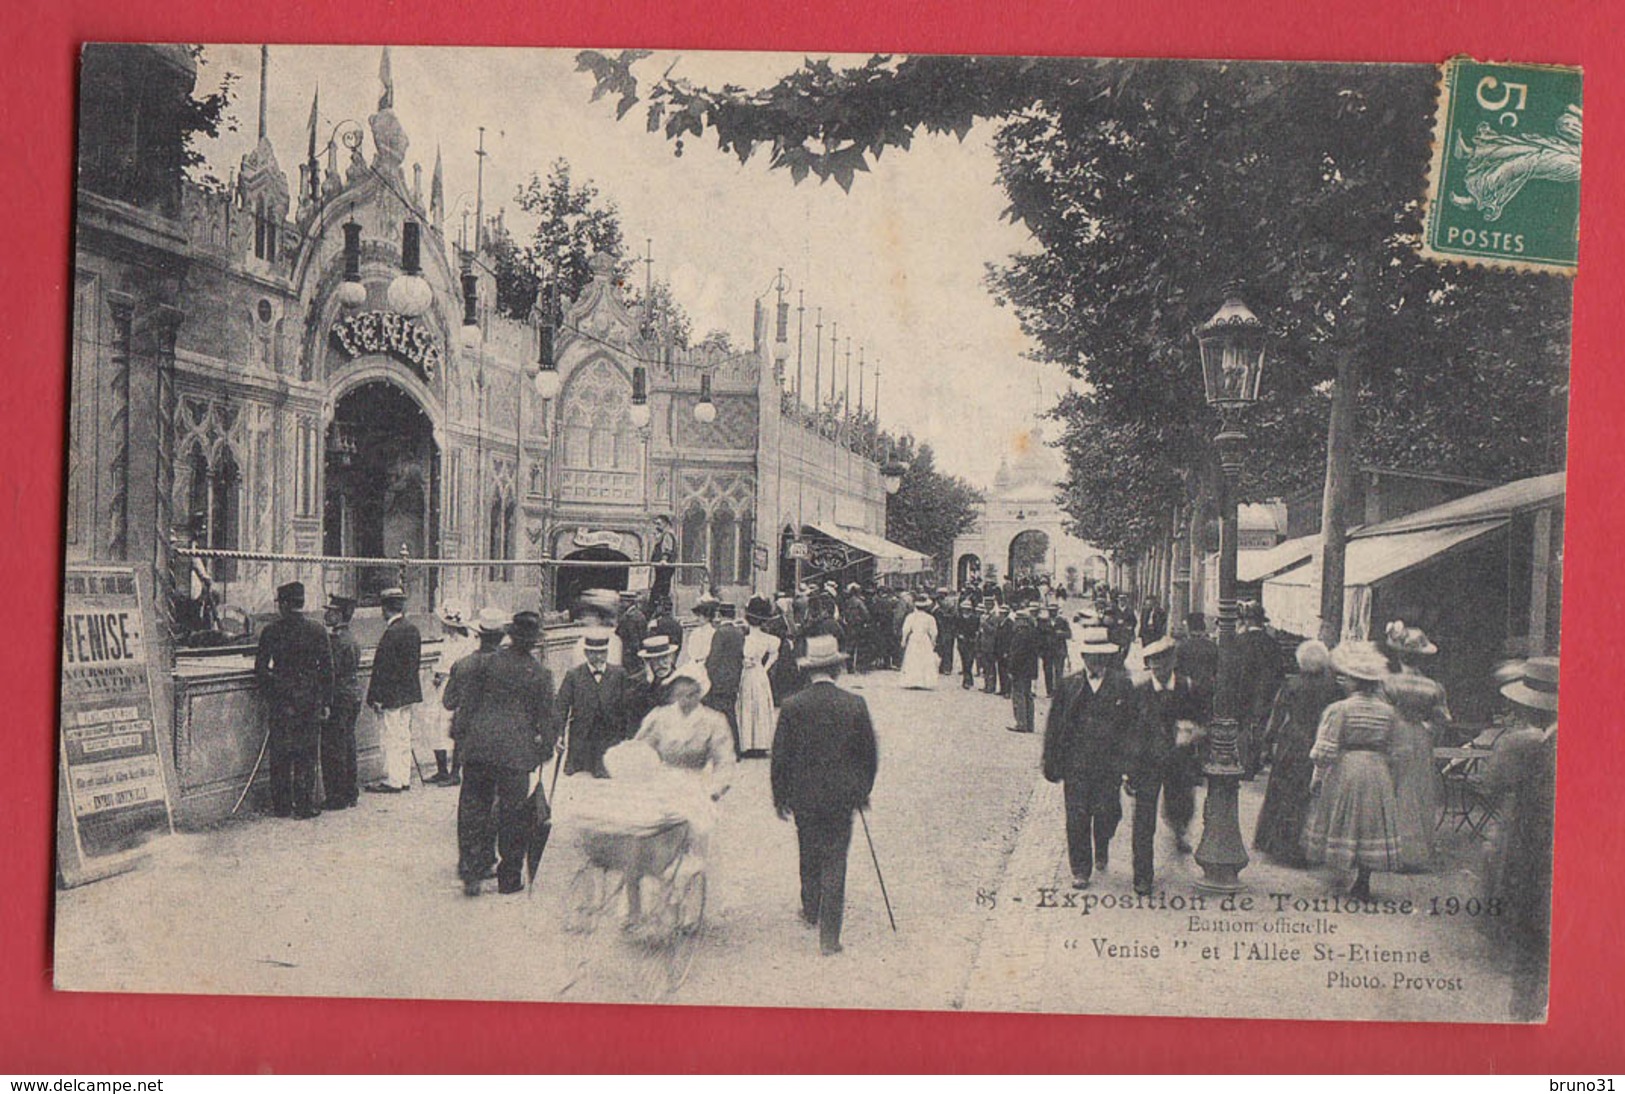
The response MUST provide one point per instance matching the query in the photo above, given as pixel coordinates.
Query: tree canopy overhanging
(1150, 187)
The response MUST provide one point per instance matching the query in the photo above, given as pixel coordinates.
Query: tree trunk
(1340, 472)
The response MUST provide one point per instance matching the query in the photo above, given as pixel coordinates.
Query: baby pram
(635, 842)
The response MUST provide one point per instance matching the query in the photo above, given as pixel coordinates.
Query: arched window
(747, 549)
(502, 536)
(213, 503)
(724, 547)
(692, 547)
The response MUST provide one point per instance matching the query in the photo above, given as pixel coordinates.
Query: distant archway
(575, 580)
(967, 570)
(1029, 554)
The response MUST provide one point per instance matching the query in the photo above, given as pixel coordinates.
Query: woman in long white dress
(756, 713)
(920, 647)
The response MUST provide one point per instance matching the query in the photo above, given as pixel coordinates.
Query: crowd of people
(1347, 738)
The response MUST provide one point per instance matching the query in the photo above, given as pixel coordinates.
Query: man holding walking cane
(823, 768)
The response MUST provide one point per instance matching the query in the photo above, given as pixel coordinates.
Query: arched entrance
(383, 488)
(968, 569)
(1029, 554)
(575, 580)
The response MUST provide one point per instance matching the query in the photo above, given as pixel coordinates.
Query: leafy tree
(1148, 186)
(205, 116)
(517, 281)
(930, 508)
(573, 222)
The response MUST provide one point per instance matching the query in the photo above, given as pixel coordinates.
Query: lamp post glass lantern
(1232, 345)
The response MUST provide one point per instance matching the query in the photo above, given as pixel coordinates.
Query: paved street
(367, 902)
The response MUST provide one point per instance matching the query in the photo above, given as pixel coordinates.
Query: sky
(898, 263)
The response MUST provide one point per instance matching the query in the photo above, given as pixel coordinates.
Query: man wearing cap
(823, 767)
(1161, 755)
(1024, 639)
(1001, 649)
(338, 729)
(294, 670)
(591, 708)
(506, 726)
(1055, 639)
(432, 730)
(631, 629)
(1083, 750)
(986, 641)
(395, 690)
(490, 630)
(965, 629)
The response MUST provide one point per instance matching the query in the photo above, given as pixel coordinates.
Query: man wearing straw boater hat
(294, 670)
(338, 758)
(395, 690)
(823, 768)
(591, 708)
(1084, 737)
(504, 700)
(650, 688)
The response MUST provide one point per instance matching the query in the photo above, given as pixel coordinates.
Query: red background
(41, 1030)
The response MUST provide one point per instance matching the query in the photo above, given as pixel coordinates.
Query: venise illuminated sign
(389, 333)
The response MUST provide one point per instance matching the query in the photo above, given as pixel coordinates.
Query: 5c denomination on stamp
(1504, 188)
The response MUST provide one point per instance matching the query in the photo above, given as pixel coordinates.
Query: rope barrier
(350, 560)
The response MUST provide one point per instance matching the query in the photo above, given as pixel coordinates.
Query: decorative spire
(437, 195)
(265, 63)
(386, 100)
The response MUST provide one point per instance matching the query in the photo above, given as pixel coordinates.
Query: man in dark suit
(1153, 621)
(631, 629)
(1056, 637)
(1001, 649)
(965, 629)
(1121, 624)
(663, 622)
(725, 664)
(823, 767)
(650, 687)
(394, 690)
(1083, 750)
(1161, 756)
(947, 629)
(294, 670)
(1259, 671)
(1198, 660)
(591, 708)
(338, 729)
(1024, 641)
(503, 705)
(986, 640)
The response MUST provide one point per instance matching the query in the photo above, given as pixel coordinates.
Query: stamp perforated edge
(1435, 176)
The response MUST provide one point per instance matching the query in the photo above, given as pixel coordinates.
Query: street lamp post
(1232, 349)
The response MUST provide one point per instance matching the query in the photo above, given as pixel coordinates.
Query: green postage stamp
(1504, 188)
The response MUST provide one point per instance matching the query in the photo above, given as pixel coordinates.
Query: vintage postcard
(908, 532)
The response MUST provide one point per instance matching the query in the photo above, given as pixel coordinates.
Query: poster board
(112, 797)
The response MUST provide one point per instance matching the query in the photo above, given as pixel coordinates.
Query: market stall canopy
(1382, 552)
(890, 558)
(1257, 565)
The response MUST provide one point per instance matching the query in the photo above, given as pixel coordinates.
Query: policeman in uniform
(338, 731)
(294, 670)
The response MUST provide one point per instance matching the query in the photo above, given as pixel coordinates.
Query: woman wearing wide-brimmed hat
(1355, 822)
(920, 646)
(1419, 702)
(1522, 771)
(756, 712)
